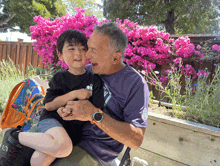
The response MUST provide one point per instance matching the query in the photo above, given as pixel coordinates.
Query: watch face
(98, 117)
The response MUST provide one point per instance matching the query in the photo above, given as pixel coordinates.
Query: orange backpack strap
(13, 95)
(43, 90)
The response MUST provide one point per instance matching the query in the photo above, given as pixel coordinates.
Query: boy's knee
(41, 159)
(63, 148)
(35, 159)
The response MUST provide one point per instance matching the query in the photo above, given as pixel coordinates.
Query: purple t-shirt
(126, 98)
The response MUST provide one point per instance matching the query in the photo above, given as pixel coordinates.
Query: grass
(9, 77)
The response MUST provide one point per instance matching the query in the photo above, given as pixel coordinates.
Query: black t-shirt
(63, 82)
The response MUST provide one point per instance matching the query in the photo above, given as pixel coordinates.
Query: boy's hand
(82, 94)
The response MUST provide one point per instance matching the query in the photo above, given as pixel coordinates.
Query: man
(124, 119)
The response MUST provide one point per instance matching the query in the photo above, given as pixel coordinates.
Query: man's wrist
(92, 112)
(97, 117)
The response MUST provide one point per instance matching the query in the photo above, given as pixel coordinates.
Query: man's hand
(123, 132)
(82, 94)
(82, 110)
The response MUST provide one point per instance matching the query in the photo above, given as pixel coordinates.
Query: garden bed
(171, 141)
(166, 109)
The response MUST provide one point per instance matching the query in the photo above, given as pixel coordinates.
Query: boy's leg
(41, 159)
(54, 142)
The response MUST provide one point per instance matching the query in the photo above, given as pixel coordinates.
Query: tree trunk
(169, 22)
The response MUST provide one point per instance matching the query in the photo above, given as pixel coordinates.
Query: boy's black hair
(71, 36)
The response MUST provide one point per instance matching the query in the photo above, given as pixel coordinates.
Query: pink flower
(171, 40)
(167, 36)
(153, 81)
(198, 47)
(202, 73)
(159, 41)
(216, 47)
(142, 52)
(177, 60)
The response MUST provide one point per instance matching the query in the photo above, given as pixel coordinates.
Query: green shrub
(9, 77)
(203, 103)
(201, 100)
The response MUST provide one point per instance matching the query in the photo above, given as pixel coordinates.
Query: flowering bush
(46, 33)
(148, 49)
(202, 99)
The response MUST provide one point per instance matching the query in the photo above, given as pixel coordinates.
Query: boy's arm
(61, 101)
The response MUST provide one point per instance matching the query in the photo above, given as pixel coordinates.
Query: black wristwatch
(97, 117)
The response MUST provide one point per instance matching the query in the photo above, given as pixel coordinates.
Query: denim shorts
(46, 124)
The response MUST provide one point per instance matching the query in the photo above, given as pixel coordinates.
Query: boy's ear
(60, 55)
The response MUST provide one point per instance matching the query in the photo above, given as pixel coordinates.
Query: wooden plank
(34, 59)
(13, 52)
(18, 52)
(23, 57)
(4, 52)
(183, 141)
(1, 51)
(29, 55)
(41, 65)
(9, 51)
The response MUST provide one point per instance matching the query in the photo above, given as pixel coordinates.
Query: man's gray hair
(118, 38)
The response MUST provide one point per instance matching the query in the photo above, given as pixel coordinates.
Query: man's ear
(117, 56)
(60, 56)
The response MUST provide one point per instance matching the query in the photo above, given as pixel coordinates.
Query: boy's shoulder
(59, 74)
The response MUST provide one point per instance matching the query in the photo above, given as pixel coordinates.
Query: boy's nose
(77, 52)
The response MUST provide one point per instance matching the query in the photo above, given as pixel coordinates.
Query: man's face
(100, 54)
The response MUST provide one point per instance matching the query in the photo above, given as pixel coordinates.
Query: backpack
(24, 105)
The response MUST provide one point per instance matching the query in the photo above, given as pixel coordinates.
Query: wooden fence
(21, 53)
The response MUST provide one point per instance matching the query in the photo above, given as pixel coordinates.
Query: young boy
(57, 136)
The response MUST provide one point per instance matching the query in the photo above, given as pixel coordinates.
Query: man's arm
(123, 132)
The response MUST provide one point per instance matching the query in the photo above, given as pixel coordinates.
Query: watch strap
(93, 121)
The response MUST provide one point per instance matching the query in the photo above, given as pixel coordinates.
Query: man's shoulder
(131, 75)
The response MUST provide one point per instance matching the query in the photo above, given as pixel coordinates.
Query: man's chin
(95, 71)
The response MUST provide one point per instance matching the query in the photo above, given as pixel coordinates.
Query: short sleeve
(55, 88)
(136, 109)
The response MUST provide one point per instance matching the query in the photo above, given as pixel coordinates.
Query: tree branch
(6, 20)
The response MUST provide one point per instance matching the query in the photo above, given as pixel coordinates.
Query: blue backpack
(24, 105)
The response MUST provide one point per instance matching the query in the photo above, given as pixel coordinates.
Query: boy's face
(74, 55)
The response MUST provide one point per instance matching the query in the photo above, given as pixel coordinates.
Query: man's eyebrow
(92, 48)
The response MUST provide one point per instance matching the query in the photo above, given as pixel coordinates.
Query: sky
(13, 36)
